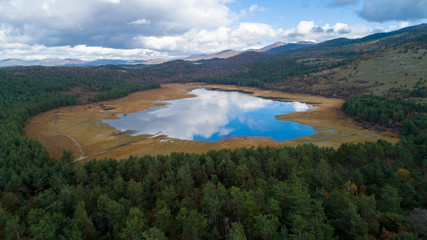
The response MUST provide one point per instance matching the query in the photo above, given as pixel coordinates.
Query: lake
(213, 115)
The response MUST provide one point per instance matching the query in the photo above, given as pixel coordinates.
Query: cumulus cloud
(242, 36)
(400, 10)
(400, 25)
(256, 8)
(309, 31)
(341, 3)
(83, 52)
(105, 22)
(111, 1)
(145, 29)
(140, 21)
(251, 10)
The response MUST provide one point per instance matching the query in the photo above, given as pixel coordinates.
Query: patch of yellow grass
(66, 127)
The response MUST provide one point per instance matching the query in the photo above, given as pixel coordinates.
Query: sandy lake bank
(81, 130)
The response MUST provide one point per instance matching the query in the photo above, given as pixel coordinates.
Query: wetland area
(194, 118)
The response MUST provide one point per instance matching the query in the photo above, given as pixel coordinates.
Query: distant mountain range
(50, 62)
(270, 49)
(46, 62)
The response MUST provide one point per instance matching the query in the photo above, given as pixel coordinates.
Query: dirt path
(78, 145)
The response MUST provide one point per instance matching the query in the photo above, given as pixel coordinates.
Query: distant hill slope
(269, 47)
(236, 61)
(222, 54)
(414, 36)
(382, 63)
(340, 47)
(230, 53)
(289, 47)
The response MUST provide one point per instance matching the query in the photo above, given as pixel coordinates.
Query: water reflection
(213, 115)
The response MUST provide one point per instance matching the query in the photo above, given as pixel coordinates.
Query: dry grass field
(80, 129)
(394, 69)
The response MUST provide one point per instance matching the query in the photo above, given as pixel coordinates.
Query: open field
(395, 69)
(80, 128)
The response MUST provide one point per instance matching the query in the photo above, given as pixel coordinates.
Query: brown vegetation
(80, 129)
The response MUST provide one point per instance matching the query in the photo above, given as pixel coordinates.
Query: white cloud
(83, 52)
(111, 1)
(342, 3)
(252, 9)
(309, 31)
(400, 10)
(165, 43)
(242, 36)
(256, 8)
(248, 35)
(341, 28)
(400, 25)
(140, 21)
(105, 22)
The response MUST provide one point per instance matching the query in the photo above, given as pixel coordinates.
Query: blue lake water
(213, 115)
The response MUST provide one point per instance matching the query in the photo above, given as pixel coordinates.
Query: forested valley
(358, 191)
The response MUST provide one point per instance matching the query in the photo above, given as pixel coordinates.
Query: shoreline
(84, 123)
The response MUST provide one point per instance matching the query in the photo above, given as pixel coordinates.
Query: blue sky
(150, 29)
(287, 14)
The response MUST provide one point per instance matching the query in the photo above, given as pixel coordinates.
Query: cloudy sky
(150, 29)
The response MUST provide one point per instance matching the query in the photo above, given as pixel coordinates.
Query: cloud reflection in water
(213, 115)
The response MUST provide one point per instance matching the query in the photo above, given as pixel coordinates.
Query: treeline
(418, 91)
(409, 116)
(278, 69)
(358, 191)
(257, 72)
(233, 80)
(122, 90)
(280, 73)
(274, 69)
(27, 91)
(22, 97)
(91, 79)
(170, 69)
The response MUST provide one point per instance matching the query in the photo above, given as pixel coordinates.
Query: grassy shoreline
(55, 129)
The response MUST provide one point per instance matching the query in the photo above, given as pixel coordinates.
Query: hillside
(289, 47)
(231, 53)
(339, 67)
(219, 55)
(236, 61)
(344, 67)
